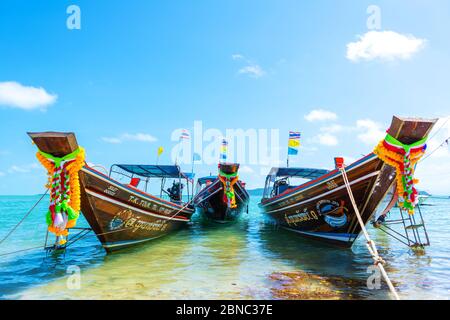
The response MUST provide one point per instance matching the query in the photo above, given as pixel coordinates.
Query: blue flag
(196, 157)
(292, 151)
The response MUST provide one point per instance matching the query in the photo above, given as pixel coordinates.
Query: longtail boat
(117, 205)
(321, 209)
(222, 198)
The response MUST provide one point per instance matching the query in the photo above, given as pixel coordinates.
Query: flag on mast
(294, 142)
(223, 150)
(160, 151)
(184, 135)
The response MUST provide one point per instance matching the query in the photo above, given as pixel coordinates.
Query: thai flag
(294, 143)
(294, 135)
(223, 150)
(184, 134)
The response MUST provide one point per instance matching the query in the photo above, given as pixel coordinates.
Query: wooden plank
(57, 144)
(410, 130)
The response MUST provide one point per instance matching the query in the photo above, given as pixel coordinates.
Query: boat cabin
(165, 181)
(204, 182)
(280, 180)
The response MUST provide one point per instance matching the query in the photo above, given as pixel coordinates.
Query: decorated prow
(61, 156)
(228, 175)
(403, 153)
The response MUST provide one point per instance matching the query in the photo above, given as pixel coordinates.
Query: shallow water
(211, 261)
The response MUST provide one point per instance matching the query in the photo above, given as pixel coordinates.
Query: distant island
(256, 192)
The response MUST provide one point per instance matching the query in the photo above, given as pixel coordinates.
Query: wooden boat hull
(122, 216)
(303, 211)
(321, 209)
(209, 202)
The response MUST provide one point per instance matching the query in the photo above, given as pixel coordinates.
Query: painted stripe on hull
(319, 181)
(326, 193)
(125, 188)
(100, 196)
(345, 237)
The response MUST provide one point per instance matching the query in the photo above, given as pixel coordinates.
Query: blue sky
(149, 68)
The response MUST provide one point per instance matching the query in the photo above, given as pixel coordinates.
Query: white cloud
(2, 173)
(334, 128)
(23, 168)
(16, 95)
(254, 71)
(246, 169)
(327, 139)
(142, 137)
(237, 56)
(320, 115)
(349, 159)
(112, 140)
(251, 69)
(371, 131)
(384, 45)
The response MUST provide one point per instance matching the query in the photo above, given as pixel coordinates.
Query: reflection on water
(248, 259)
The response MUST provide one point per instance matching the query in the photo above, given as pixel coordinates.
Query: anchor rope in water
(370, 244)
(21, 250)
(23, 218)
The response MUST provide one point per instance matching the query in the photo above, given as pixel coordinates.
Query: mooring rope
(184, 207)
(378, 261)
(24, 217)
(21, 250)
(446, 141)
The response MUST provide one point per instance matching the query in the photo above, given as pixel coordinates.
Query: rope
(22, 250)
(124, 229)
(446, 141)
(184, 207)
(442, 126)
(24, 217)
(378, 261)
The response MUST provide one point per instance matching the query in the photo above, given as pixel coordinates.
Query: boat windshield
(204, 182)
(281, 180)
(167, 182)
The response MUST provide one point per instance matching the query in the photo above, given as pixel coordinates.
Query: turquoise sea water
(210, 261)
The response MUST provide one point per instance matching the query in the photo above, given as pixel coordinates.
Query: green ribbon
(228, 176)
(390, 139)
(64, 205)
(58, 160)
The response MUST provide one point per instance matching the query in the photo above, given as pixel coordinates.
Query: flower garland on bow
(228, 181)
(64, 185)
(403, 158)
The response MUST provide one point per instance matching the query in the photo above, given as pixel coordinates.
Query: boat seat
(134, 182)
(282, 188)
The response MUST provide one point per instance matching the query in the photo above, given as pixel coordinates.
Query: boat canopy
(155, 171)
(203, 180)
(305, 173)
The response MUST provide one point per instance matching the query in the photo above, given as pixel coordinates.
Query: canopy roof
(154, 171)
(203, 180)
(305, 173)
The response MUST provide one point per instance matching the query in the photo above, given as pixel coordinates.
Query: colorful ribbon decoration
(403, 158)
(228, 181)
(64, 188)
